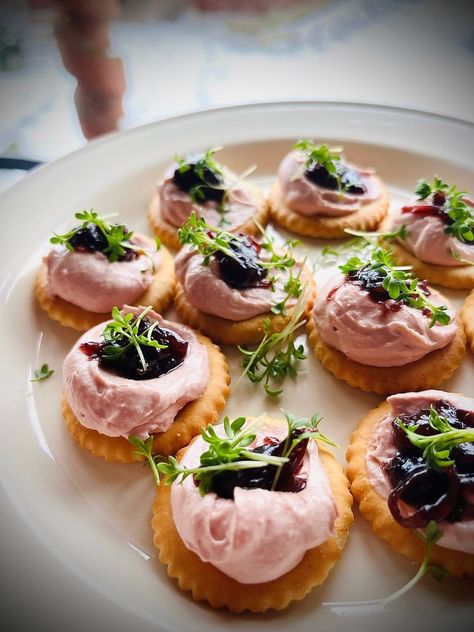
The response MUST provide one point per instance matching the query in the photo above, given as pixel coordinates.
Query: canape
(410, 463)
(257, 514)
(379, 328)
(97, 266)
(234, 287)
(318, 194)
(199, 184)
(435, 234)
(139, 375)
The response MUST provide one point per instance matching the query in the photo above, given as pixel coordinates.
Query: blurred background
(71, 70)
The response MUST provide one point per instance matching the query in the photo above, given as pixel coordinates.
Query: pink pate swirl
(368, 332)
(119, 407)
(176, 206)
(428, 241)
(307, 198)
(90, 281)
(207, 292)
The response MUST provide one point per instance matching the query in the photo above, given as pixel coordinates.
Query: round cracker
(187, 424)
(169, 233)
(427, 372)
(375, 509)
(365, 219)
(158, 294)
(207, 583)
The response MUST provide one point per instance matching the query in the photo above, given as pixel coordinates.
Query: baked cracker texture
(375, 509)
(158, 294)
(169, 233)
(366, 219)
(249, 331)
(187, 424)
(467, 316)
(425, 373)
(207, 583)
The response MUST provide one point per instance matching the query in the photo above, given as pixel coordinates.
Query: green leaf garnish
(399, 283)
(277, 356)
(122, 333)
(117, 237)
(42, 374)
(460, 213)
(401, 233)
(202, 165)
(144, 448)
(325, 156)
(430, 537)
(230, 452)
(437, 448)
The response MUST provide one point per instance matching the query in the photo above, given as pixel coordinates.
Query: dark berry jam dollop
(91, 239)
(224, 483)
(420, 492)
(129, 365)
(436, 208)
(350, 179)
(244, 269)
(197, 173)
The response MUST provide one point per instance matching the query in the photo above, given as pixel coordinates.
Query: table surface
(409, 53)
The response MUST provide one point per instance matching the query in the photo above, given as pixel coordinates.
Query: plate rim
(116, 135)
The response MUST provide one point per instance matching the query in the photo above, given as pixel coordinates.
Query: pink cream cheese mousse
(456, 535)
(90, 281)
(429, 242)
(207, 292)
(307, 198)
(120, 407)
(259, 535)
(176, 205)
(369, 332)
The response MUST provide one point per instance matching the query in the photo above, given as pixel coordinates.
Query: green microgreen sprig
(430, 537)
(229, 452)
(437, 448)
(144, 448)
(325, 156)
(460, 213)
(224, 453)
(202, 166)
(42, 373)
(399, 283)
(118, 239)
(277, 356)
(299, 430)
(122, 333)
(401, 233)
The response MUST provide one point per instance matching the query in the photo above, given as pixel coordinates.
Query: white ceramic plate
(76, 542)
